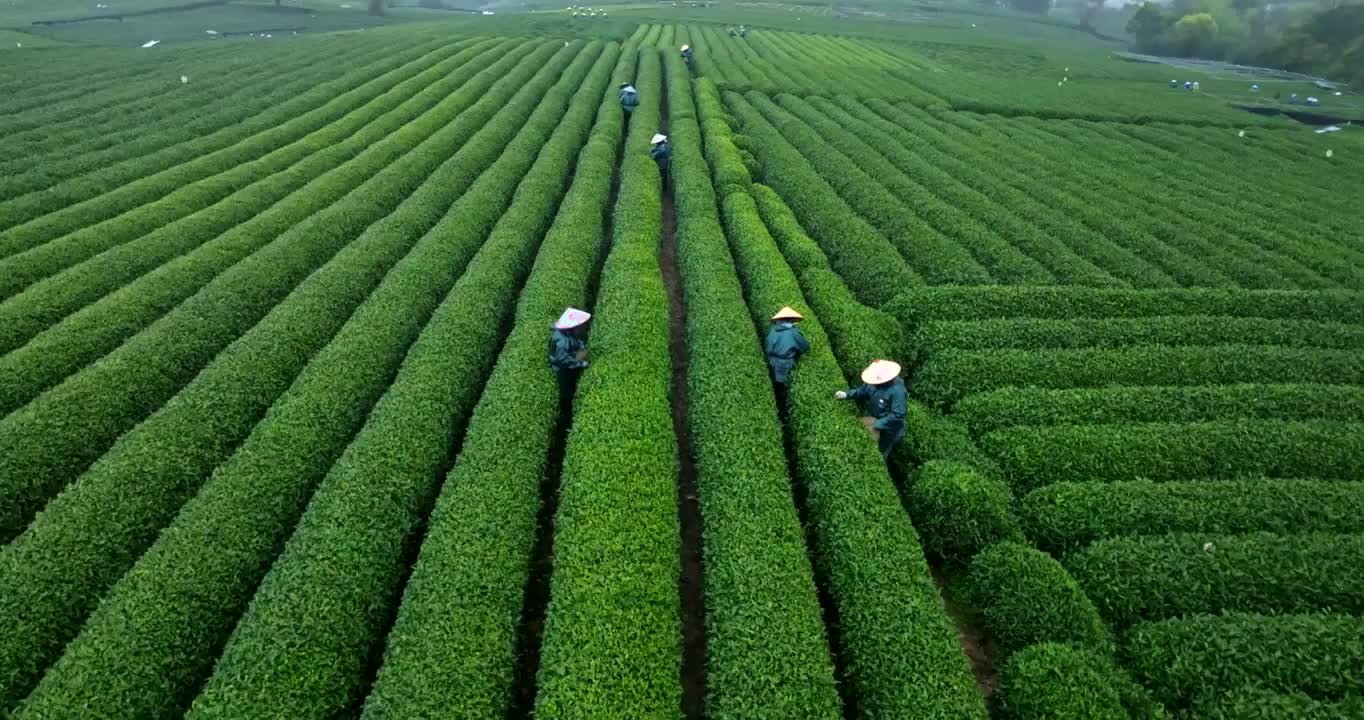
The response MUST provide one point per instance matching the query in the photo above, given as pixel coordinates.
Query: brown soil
(978, 647)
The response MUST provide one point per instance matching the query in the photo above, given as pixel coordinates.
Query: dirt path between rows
(692, 587)
(979, 648)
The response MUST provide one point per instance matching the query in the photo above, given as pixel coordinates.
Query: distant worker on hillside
(686, 53)
(568, 351)
(743, 31)
(733, 32)
(661, 153)
(882, 397)
(785, 344)
(629, 98)
(1174, 83)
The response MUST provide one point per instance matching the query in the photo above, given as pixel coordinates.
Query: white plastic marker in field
(1241, 134)
(1329, 153)
(184, 79)
(211, 32)
(151, 43)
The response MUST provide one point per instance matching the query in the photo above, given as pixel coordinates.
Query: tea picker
(687, 54)
(568, 351)
(785, 344)
(629, 98)
(882, 396)
(661, 153)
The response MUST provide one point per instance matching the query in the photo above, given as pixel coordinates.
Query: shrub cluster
(1048, 681)
(958, 510)
(1152, 577)
(1321, 655)
(1255, 703)
(1069, 515)
(1025, 596)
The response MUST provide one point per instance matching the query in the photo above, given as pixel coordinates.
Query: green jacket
(784, 345)
(629, 99)
(564, 349)
(887, 403)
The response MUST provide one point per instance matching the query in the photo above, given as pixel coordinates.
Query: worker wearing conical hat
(568, 350)
(687, 53)
(785, 344)
(661, 152)
(883, 398)
(629, 98)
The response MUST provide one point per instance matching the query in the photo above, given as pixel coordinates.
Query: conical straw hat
(572, 318)
(658, 139)
(881, 371)
(787, 313)
(686, 47)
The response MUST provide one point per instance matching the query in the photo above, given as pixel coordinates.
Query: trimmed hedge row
(461, 608)
(958, 510)
(88, 334)
(871, 266)
(939, 259)
(1152, 577)
(84, 203)
(1183, 330)
(1034, 457)
(1024, 596)
(326, 602)
(916, 306)
(1067, 516)
(1254, 703)
(951, 375)
(1006, 407)
(1052, 681)
(764, 658)
(612, 644)
(874, 179)
(271, 179)
(1321, 655)
(190, 598)
(51, 440)
(902, 655)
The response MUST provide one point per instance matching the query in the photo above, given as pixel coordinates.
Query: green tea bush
(763, 660)
(1025, 596)
(871, 266)
(1321, 655)
(958, 510)
(267, 482)
(1069, 515)
(268, 181)
(86, 538)
(1152, 577)
(1033, 457)
(916, 306)
(1010, 406)
(1051, 681)
(951, 375)
(612, 634)
(1254, 703)
(901, 651)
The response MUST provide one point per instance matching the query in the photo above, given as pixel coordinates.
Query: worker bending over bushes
(882, 397)
(568, 351)
(785, 344)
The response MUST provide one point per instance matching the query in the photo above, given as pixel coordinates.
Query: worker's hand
(840, 395)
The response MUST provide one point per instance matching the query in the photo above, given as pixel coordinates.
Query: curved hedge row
(1025, 596)
(461, 609)
(268, 180)
(1006, 407)
(46, 444)
(951, 375)
(252, 502)
(327, 600)
(871, 266)
(1034, 457)
(1051, 681)
(612, 634)
(767, 654)
(916, 306)
(1153, 577)
(1321, 655)
(900, 649)
(958, 510)
(1254, 703)
(1066, 516)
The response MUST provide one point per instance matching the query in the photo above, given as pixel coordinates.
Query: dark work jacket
(686, 54)
(629, 99)
(660, 153)
(784, 345)
(887, 403)
(564, 349)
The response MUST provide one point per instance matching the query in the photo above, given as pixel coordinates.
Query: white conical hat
(788, 313)
(572, 318)
(880, 371)
(686, 47)
(658, 139)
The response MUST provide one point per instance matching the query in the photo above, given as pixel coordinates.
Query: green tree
(1196, 35)
(1149, 26)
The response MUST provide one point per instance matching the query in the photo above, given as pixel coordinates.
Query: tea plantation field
(278, 438)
